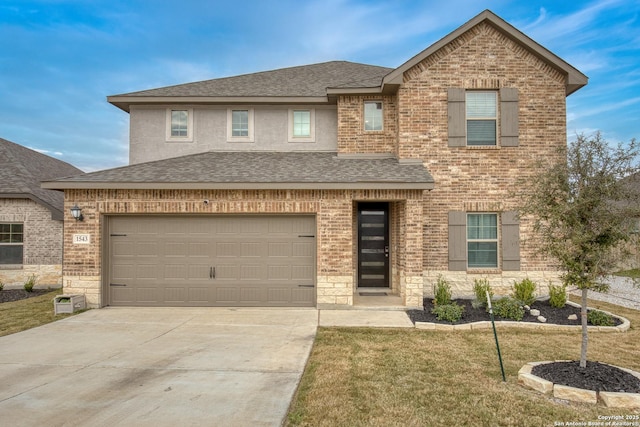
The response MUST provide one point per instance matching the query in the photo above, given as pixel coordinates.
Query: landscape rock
(526, 307)
(573, 317)
(534, 312)
(542, 319)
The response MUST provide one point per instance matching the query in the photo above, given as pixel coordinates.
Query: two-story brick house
(305, 186)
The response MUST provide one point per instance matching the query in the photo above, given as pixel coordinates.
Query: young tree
(582, 210)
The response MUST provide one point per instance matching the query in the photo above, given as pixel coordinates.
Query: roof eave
(124, 102)
(360, 185)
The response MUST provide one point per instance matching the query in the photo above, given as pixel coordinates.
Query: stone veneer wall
(334, 218)
(42, 247)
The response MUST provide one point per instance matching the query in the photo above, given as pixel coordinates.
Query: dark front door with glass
(373, 245)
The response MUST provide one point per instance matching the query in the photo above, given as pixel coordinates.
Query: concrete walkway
(156, 367)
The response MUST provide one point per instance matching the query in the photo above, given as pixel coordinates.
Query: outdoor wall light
(76, 212)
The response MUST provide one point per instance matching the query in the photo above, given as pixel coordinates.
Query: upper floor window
(179, 125)
(373, 115)
(482, 117)
(302, 126)
(240, 125)
(11, 243)
(482, 240)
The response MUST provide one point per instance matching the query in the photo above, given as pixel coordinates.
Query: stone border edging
(609, 398)
(486, 324)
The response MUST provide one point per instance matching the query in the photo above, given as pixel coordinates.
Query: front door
(373, 245)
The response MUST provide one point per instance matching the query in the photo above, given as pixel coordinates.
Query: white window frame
(312, 125)
(496, 241)
(21, 244)
(189, 137)
(250, 130)
(493, 118)
(364, 115)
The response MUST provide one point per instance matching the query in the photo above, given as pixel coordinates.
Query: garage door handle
(306, 235)
(306, 286)
(212, 273)
(117, 284)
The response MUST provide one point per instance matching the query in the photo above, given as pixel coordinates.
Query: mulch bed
(596, 376)
(558, 316)
(9, 295)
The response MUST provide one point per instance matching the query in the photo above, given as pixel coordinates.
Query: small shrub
(523, 291)
(557, 296)
(1, 285)
(599, 318)
(509, 308)
(30, 283)
(480, 288)
(442, 292)
(448, 312)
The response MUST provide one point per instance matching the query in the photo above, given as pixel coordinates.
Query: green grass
(28, 313)
(400, 377)
(634, 273)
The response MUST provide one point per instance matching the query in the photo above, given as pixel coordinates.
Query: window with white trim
(240, 125)
(180, 125)
(302, 126)
(482, 115)
(373, 117)
(11, 243)
(482, 240)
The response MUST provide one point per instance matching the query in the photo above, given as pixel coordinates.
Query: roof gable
(22, 170)
(574, 80)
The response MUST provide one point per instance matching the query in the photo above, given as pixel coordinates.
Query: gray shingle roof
(22, 170)
(238, 170)
(301, 81)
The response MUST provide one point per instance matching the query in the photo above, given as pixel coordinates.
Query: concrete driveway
(156, 367)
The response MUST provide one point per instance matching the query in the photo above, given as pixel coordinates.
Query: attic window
(373, 115)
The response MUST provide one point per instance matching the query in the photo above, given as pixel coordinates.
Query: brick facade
(42, 247)
(83, 264)
(471, 179)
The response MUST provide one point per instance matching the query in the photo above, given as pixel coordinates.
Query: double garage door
(218, 260)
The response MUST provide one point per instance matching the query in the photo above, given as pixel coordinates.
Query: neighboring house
(305, 186)
(31, 217)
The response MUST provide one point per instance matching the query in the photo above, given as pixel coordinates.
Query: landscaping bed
(557, 316)
(596, 376)
(9, 295)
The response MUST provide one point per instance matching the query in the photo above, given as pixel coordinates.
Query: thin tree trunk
(585, 337)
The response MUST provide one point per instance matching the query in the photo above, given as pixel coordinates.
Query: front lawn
(28, 313)
(399, 377)
(634, 273)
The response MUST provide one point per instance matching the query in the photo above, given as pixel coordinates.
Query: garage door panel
(228, 249)
(218, 260)
(303, 249)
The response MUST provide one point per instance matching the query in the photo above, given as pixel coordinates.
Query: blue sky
(60, 59)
